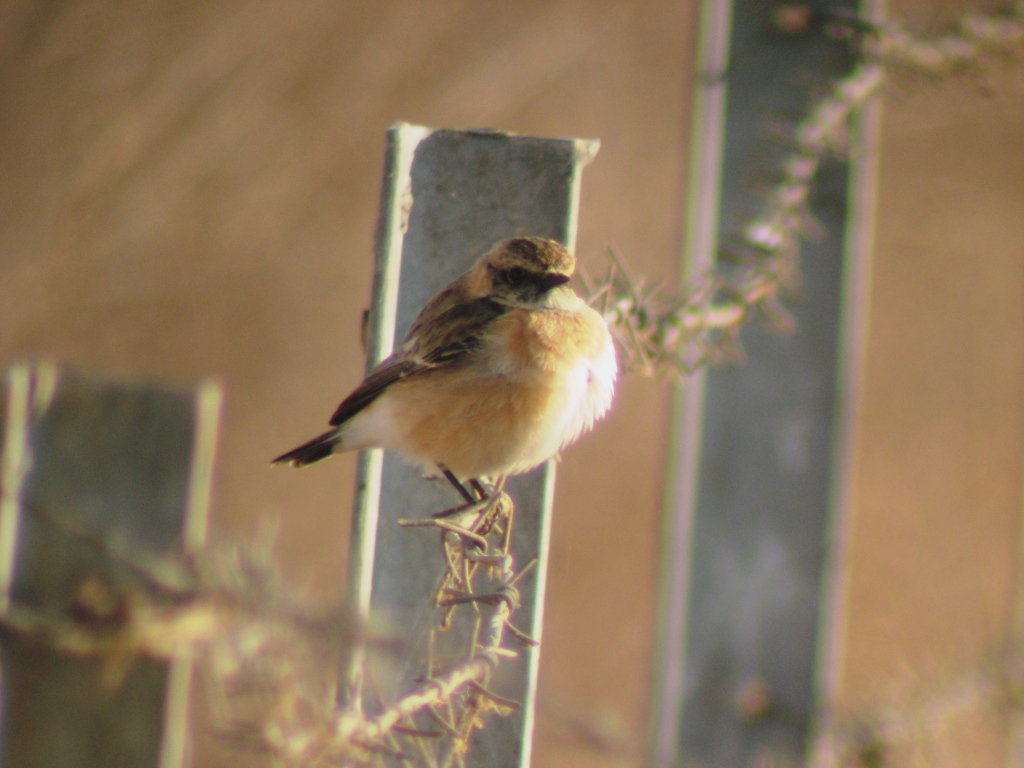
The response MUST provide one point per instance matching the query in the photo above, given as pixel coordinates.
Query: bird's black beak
(553, 280)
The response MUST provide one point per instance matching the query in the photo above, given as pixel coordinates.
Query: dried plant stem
(439, 689)
(664, 331)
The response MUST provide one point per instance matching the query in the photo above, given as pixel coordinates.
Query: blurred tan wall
(933, 559)
(190, 190)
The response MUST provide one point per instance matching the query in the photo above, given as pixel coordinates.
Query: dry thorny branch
(431, 724)
(659, 330)
(263, 651)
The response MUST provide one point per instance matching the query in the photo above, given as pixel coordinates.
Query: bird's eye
(518, 275)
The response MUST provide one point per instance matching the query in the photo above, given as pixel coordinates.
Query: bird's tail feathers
(308, 453)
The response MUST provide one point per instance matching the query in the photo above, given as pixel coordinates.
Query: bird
(500, 371)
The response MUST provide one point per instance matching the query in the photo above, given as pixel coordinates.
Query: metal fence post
(754, 471)
(447, 196)
(86, 461)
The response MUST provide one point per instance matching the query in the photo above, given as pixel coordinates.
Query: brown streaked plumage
(501, 370)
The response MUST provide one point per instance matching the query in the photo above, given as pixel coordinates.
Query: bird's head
(524, 270)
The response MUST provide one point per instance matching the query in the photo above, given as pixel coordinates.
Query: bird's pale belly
(480, 426)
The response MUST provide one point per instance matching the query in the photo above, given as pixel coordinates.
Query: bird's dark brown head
(523, 269)
(540, 253)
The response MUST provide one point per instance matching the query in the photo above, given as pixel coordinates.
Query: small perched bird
(500, 371)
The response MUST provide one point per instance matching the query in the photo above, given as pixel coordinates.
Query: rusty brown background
(189, 189)
(933, 550)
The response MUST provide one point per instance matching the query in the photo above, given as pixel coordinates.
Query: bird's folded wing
(430, 346)
(383, 376)
(457, 332)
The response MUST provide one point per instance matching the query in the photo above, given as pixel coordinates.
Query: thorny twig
(659, 330)
(262, 654)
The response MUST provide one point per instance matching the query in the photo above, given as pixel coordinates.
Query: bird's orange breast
(548, 340)
(503, 411)
(477, 426)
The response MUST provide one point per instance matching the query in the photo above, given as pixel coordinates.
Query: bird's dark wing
(457, 331)
(383, 376)
(446, 340)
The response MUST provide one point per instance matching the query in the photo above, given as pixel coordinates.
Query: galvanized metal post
(754, 467)
(447, 196)
(86, 461)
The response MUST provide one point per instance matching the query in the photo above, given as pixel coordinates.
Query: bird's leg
(457, 485)
(475, 485)
(482, 497)
(506, 536)
(492, 508)
(499, 485)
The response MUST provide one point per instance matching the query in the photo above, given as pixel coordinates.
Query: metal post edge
(683, 462)
(393, 218)
(853, 333)
(533, 670)
(14, 466)
(174, 742)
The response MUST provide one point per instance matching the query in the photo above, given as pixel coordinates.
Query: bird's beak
(553, 280)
